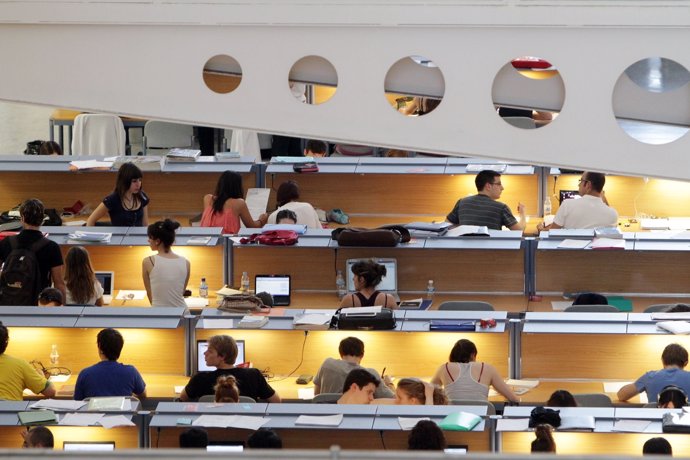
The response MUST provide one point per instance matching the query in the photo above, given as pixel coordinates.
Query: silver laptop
(107, 280)
(388, 284)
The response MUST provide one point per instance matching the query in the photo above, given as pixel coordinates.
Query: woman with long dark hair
(127, 204)
(226, 207)
(80, 280)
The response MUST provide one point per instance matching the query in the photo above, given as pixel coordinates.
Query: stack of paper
(91, 237)
(573, 244)
(607, 243)
(182, 155)
(110, 403)
(675, 327)
(252, 322)
(468, 230)
(90, 164)
(58, 404)
(313, 321)
(226, 291)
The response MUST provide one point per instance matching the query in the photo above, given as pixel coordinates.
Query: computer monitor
(107, 281)
(276, 285)
(202, 346)
(88, 446)
(567, 194)
(389, 283)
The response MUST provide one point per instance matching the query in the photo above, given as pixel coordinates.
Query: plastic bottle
(203, 288)
(547, 206)
(430, 289)
(340, 284)
(244, 284)
(54, 355)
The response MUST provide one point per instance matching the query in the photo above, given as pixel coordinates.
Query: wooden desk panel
(595, 443)
(402, 354)
(542, 393)
(422, 194)
(583, 356)
(124, 437)
(170, 193)
(159, 351)
(452, 270)
(612, 271)
(475, 441)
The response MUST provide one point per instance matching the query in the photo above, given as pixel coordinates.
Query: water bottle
(244, 284)
(203, 288)
(430, 289)
(547, 206)
(54, 355)
(340, 284)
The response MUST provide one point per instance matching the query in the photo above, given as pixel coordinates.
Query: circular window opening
(313, 80)
(222, 74)
(650, 100)
(528, 92)
(414, 86)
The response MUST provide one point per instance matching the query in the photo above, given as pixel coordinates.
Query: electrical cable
(301, 359)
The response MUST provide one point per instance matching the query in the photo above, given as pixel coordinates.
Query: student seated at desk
(359, 387)
(16, 374)
(543, 441)
(194, 438)
(674, 359)
(80, 281)
(226, 207)
(426, 435)
(561, 398)
(263, 438)
(419, 393)
(165, 274)
(108, 377)
(331, 376)
(50, 297)
(287, 197)
(464, 378)
(368, 275)
(657, 446)
(221, 354)
(226, 389)
(672, 397)
(127, 205)
(38, 437)
(285, 216)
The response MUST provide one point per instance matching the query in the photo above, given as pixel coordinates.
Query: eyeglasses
(50, 371)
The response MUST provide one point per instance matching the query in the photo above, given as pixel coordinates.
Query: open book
(468, 230)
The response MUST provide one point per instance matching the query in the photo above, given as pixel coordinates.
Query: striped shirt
(483, 211)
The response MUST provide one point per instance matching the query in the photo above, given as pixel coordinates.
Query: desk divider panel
(124, 437)
(586, 443)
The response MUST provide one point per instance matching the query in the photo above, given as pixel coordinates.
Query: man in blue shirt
(674, 358)
(108, 377)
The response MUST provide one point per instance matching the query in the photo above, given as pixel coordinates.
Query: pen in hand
(383, 372)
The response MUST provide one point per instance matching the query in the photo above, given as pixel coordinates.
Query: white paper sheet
(196, 302)
(220, 323)
(512, 424)
(81, 418)
(313, 319)
(111, 421)
(522, 383)
(675, 327)
(235, 421)
(59, 378)
(407, 423)
(58, 404)
(320, 420)
(305, 393)
(631, 426)
(560, 305)
(573, 244)
(257, 200)
(179, 388)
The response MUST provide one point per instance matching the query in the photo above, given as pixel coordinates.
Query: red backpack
(272, 238)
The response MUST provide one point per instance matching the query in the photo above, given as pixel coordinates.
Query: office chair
(490, 408)
(521, 122)
(161, 136)
(592, 309)
(246, 142)
(466, 305)
(326, 398)
(593, 400)
(98, 134)
(212, 398)
(660, 307)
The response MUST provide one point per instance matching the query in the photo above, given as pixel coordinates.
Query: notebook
(276, 285)
(202, 346)
(107, 280)
(388, 284)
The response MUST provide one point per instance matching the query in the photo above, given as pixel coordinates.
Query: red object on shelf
(528, 62)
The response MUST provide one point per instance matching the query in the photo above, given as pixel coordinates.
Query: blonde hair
(226, 389)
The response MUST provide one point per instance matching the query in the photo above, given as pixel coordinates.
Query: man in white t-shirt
(589, 211)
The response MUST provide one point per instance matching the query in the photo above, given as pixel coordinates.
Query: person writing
(127, 205)
(226, 207)
(484, 209)
(368, 275)
(165, 274)
(589, 211)
(464, 378)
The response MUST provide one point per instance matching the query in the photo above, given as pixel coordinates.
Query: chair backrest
(163, 136)
(326, 398)
(98, 134)
(592, 309)
(212, 398)
(246, 399)
(490, 409)
(521, 122)
(466, 305)
(244, 141)
(660, 307)
(593, 400)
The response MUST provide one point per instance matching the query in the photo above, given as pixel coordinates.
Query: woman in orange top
(226, 207)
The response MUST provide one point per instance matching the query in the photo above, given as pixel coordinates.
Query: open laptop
(107, 280)
(89, 446)
(276, 285)
(202, 346)
(388, 284)
(567, 195)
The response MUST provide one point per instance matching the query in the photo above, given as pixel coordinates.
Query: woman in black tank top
(368, 275)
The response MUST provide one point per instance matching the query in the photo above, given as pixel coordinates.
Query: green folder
(460, 421)
(37, 417)
(620, 303)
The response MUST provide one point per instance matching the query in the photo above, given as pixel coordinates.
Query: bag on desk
(541, 415)
(272, 238)
(383, 320)
(33, 147)
(388, 236)
(241, 303)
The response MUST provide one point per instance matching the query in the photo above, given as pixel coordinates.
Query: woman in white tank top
(166, 274)
(464, 378)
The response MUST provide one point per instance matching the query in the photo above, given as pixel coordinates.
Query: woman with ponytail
(165, 274)
(544, 439)
(226, 389)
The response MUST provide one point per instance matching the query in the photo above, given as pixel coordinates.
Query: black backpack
(20, 281)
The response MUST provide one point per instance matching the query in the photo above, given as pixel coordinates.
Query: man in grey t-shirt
(483, 209)
(332, 374)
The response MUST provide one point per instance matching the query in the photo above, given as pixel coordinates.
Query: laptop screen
(276, 285)
(567, 194)
(106, 280)
(389, 283)
(202, 346)
(88, 446)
